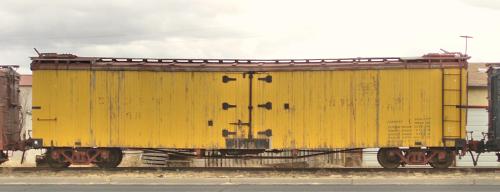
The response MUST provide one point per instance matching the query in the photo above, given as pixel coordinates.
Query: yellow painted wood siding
(327, 109)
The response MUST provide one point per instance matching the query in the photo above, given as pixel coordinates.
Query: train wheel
(389, 158)
(444, 162)
(114, 159)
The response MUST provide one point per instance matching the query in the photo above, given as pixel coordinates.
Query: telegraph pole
(466, 37)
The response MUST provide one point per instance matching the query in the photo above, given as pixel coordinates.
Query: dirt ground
(152, 173)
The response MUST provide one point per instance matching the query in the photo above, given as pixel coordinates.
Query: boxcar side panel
(61, 107)
(410, 108)
(310, 109)
(136, 109)
(342, 109)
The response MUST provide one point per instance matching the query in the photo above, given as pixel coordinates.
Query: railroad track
(251, 170)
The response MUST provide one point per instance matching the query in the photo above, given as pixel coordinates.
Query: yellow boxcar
(241, 104)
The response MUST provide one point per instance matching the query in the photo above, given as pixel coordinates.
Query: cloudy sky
(247, 28)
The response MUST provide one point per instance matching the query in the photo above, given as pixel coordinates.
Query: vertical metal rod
(443, 106)
(461, 102)
(250, 105)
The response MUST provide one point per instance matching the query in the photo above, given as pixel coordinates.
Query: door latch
(226, 106)
(239, 123)
(267, 105)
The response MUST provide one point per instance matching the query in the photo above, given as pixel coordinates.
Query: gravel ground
(162, 177)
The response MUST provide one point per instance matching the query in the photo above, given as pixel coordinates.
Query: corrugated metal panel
(327, 109)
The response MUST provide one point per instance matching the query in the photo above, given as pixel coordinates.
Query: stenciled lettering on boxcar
(419, 130)
(422, 127)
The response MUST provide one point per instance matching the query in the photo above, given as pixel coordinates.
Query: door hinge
(226, 79)
(267, 105)
(267, 79)
(267, 132)
(226, 106)
(226, 133)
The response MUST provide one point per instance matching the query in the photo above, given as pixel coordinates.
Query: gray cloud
(72, 26)
(109, 22)
(243, 28)
(488, 4)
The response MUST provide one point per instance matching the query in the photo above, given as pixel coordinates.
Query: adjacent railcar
(10, 120)
(86, 109)
(492, 144)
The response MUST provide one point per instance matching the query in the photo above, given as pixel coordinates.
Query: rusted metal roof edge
(237, 68)
(70, 62)
(264, 61)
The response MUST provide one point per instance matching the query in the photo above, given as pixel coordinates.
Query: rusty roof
(477, 76)
(72, 62)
